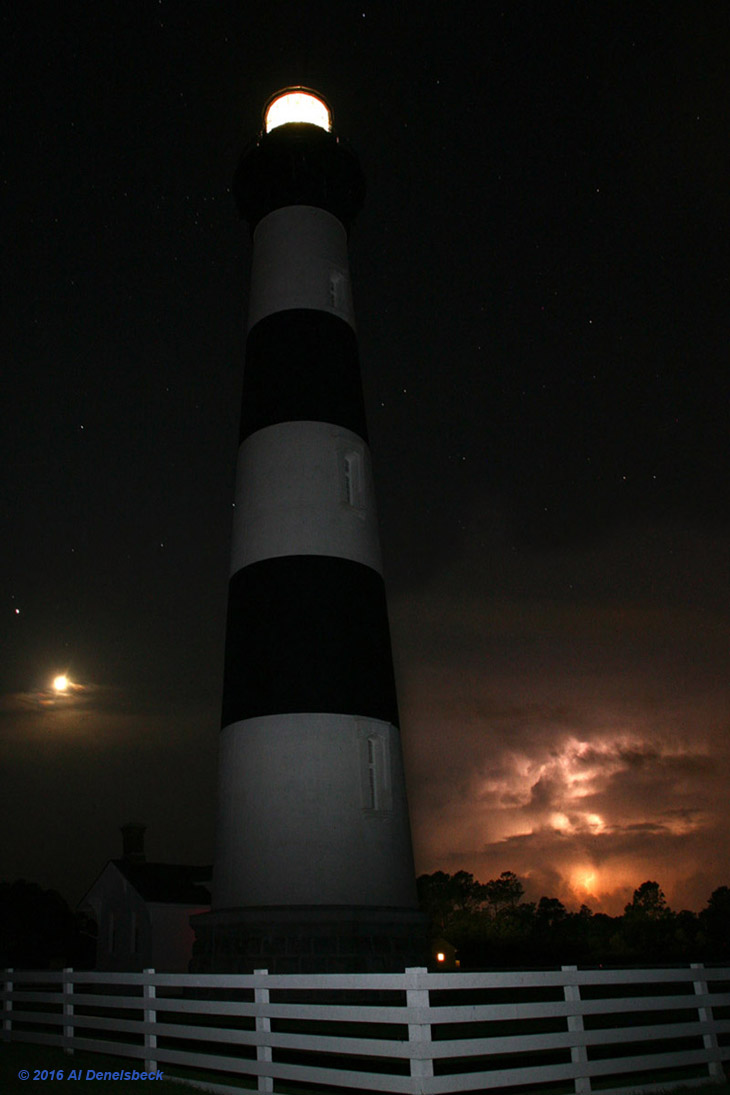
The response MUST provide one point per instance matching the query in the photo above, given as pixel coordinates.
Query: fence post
(709, 1039)
(419, 1034)
(68, 1011)
(578, 1053)
(263, 1026)
(8, 1007)
(149, 993)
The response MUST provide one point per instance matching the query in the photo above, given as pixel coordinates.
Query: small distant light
(297, 105)
(440, 957)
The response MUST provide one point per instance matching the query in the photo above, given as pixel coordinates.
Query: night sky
(541, 286)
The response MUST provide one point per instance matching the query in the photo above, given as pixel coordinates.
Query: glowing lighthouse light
(297, 105)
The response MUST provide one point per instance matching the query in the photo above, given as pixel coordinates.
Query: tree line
(491, 925)
(38, 930)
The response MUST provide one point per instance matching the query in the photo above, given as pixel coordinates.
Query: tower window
(372, 792)
(337, 291)
(353, 479)
(375, 777)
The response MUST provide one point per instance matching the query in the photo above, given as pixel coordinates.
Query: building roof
(178, 884)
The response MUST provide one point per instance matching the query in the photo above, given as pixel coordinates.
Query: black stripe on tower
(302, 365)
(299, 164)
(308, 633)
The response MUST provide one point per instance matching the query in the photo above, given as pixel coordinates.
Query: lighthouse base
(309, 939)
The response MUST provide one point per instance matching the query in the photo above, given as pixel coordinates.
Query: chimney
(133, 842)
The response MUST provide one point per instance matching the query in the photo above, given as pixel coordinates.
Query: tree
(445, 898)
(648, 923)
(686, 943)
(37, 928)
(550, 912)
(715, 922)
(648, 903)
(468, 894)
(504, 892)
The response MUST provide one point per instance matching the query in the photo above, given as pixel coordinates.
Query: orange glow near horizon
(584, 879)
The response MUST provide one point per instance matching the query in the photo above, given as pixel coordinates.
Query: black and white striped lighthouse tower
(313, 864)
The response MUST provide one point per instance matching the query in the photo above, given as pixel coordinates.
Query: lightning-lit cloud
(577, 742)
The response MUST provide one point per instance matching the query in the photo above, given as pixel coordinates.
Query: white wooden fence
(568, 1030)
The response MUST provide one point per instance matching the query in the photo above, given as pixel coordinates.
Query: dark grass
(15, 1056)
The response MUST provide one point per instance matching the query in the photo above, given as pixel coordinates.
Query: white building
(142, 910)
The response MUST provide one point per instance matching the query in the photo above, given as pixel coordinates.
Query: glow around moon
(64, 690)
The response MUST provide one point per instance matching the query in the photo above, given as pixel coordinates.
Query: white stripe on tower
(300, 261)
(304, 488)
(312, 808)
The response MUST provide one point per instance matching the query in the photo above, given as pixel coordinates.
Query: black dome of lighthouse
(299, 164)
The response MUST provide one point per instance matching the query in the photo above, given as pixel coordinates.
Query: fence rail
(571, 1030)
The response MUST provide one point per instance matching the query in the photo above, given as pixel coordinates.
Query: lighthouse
(313, 862)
